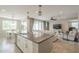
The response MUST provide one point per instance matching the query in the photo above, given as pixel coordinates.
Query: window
(46, 25)
(38, 25)
(74, 24)
(35, 25)
(23, 27)
(9, 25)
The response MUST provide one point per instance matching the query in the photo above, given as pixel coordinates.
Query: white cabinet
(24, 44)
(28, 46)
(20, 43)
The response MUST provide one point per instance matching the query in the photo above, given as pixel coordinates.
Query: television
(71, 28)
(57, 26)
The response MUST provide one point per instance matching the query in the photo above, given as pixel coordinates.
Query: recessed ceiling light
(36, 12)
(61, 12)
(3, 10)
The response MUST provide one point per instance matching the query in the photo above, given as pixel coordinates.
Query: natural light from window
(9, 25)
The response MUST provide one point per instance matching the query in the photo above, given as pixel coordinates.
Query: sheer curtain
(38, 25)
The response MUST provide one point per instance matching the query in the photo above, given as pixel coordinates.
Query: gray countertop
(37, 37)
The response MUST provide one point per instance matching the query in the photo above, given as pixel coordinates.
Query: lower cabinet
(20, 43)
(28, 46)
(24, 44)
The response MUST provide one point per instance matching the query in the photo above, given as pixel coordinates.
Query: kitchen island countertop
(37, 37)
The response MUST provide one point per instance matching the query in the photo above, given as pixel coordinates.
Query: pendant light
(39, 11)
(52, 18)
(27, 13)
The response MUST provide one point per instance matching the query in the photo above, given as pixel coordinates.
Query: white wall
(1, 29)
(64, 24)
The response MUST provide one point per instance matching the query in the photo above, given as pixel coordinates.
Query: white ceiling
(20, 11)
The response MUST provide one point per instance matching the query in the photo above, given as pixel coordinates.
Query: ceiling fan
(52, 18)
(57, 16)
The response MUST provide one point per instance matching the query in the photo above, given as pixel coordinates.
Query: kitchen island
(37, 42)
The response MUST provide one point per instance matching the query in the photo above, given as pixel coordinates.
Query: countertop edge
(35, 41)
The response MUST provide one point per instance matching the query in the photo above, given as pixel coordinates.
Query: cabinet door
(28, 46)
(25, 44)
(20, 43)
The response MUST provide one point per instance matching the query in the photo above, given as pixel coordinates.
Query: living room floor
(63, 46)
